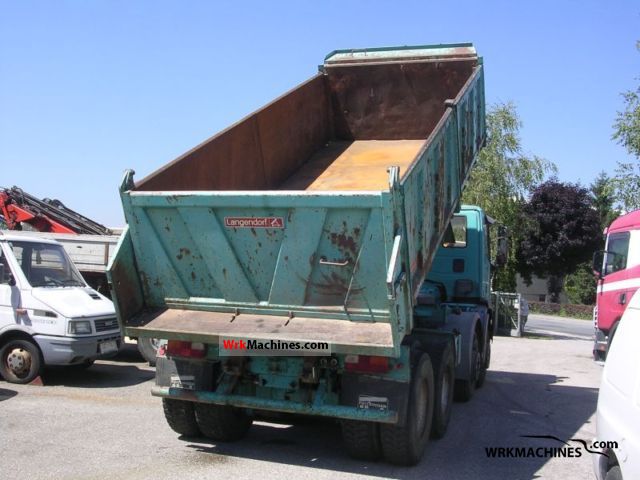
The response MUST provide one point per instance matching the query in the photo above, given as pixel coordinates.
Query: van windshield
(46, 265)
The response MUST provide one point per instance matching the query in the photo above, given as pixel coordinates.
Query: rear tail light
(179, 348)
(366, 364)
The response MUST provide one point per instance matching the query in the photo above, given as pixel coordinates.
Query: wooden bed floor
(358, 165)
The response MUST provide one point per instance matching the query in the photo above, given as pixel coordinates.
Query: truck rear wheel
(404, 445)
(445, 378)
(222, 422)
(180, 417)
(485, 365)
(466, 388)
(362, 439)
(20, 360)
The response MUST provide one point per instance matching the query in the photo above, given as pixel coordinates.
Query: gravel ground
(103, 423)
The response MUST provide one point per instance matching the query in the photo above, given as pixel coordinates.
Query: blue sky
(90, 88)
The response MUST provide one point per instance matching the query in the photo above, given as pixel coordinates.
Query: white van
(618, 416)
(48, 313)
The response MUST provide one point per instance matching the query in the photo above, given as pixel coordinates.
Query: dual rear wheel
(428, 414)
(217, 422)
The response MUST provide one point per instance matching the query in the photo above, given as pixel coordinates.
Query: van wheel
(180, 417)
(362, 439)
(444, 377)
(148, 348)
(222, 422)
(20, 361)
(614, 474)
(404, 445)
(466, 388)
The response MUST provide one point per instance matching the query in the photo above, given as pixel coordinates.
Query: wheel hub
(19, 361)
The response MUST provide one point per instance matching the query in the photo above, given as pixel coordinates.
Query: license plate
(109, 346)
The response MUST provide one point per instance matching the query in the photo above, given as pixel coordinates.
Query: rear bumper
(192, 381)
(68, 351)
(316, 408)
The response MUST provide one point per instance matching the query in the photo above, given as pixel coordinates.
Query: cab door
(9, 292)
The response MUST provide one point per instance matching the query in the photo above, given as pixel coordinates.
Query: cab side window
(617, 251)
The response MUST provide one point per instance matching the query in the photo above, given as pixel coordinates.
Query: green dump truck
(314, 259)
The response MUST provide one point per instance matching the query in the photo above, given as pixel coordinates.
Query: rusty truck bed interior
(340, 130)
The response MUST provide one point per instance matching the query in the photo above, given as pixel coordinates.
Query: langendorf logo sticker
(254, 222)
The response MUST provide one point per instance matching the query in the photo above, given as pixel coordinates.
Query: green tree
(580, 286)
(604, 198)
(626, 131)
(627, 185)
(503, 178)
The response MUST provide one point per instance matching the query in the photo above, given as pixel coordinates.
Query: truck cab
(48, 313)
(455, 296)
(618, 270)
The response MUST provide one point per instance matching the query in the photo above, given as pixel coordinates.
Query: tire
(20, 361)
(404, 445)
(180, 417)
(485, 365)
(148, 348)
(444, 382)
(362, 440)
(614, 474)
(222, 422)
(466, 388)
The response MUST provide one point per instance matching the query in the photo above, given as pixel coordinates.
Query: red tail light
(366, 364)
(179, 348)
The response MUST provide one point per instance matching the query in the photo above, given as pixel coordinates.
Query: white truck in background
(88, 244)
(90, 254)
(49, 315)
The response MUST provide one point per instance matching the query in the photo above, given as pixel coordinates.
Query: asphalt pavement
(103, 423)
(559, 326)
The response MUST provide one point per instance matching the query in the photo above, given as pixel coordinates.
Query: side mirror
(598, 261)
(502, 249)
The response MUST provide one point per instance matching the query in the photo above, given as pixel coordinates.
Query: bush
(562, 309)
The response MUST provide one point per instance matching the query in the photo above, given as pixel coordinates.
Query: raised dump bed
(325, 206)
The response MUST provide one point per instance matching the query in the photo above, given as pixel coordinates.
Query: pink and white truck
(618, 270)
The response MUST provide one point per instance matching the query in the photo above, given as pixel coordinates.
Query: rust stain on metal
(344, 242)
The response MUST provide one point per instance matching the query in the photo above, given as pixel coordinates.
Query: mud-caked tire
(466, 388)
(362, 440)
(482, 374)
(405, 444)
(444, 383)
(180, 416)
(222, 422)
